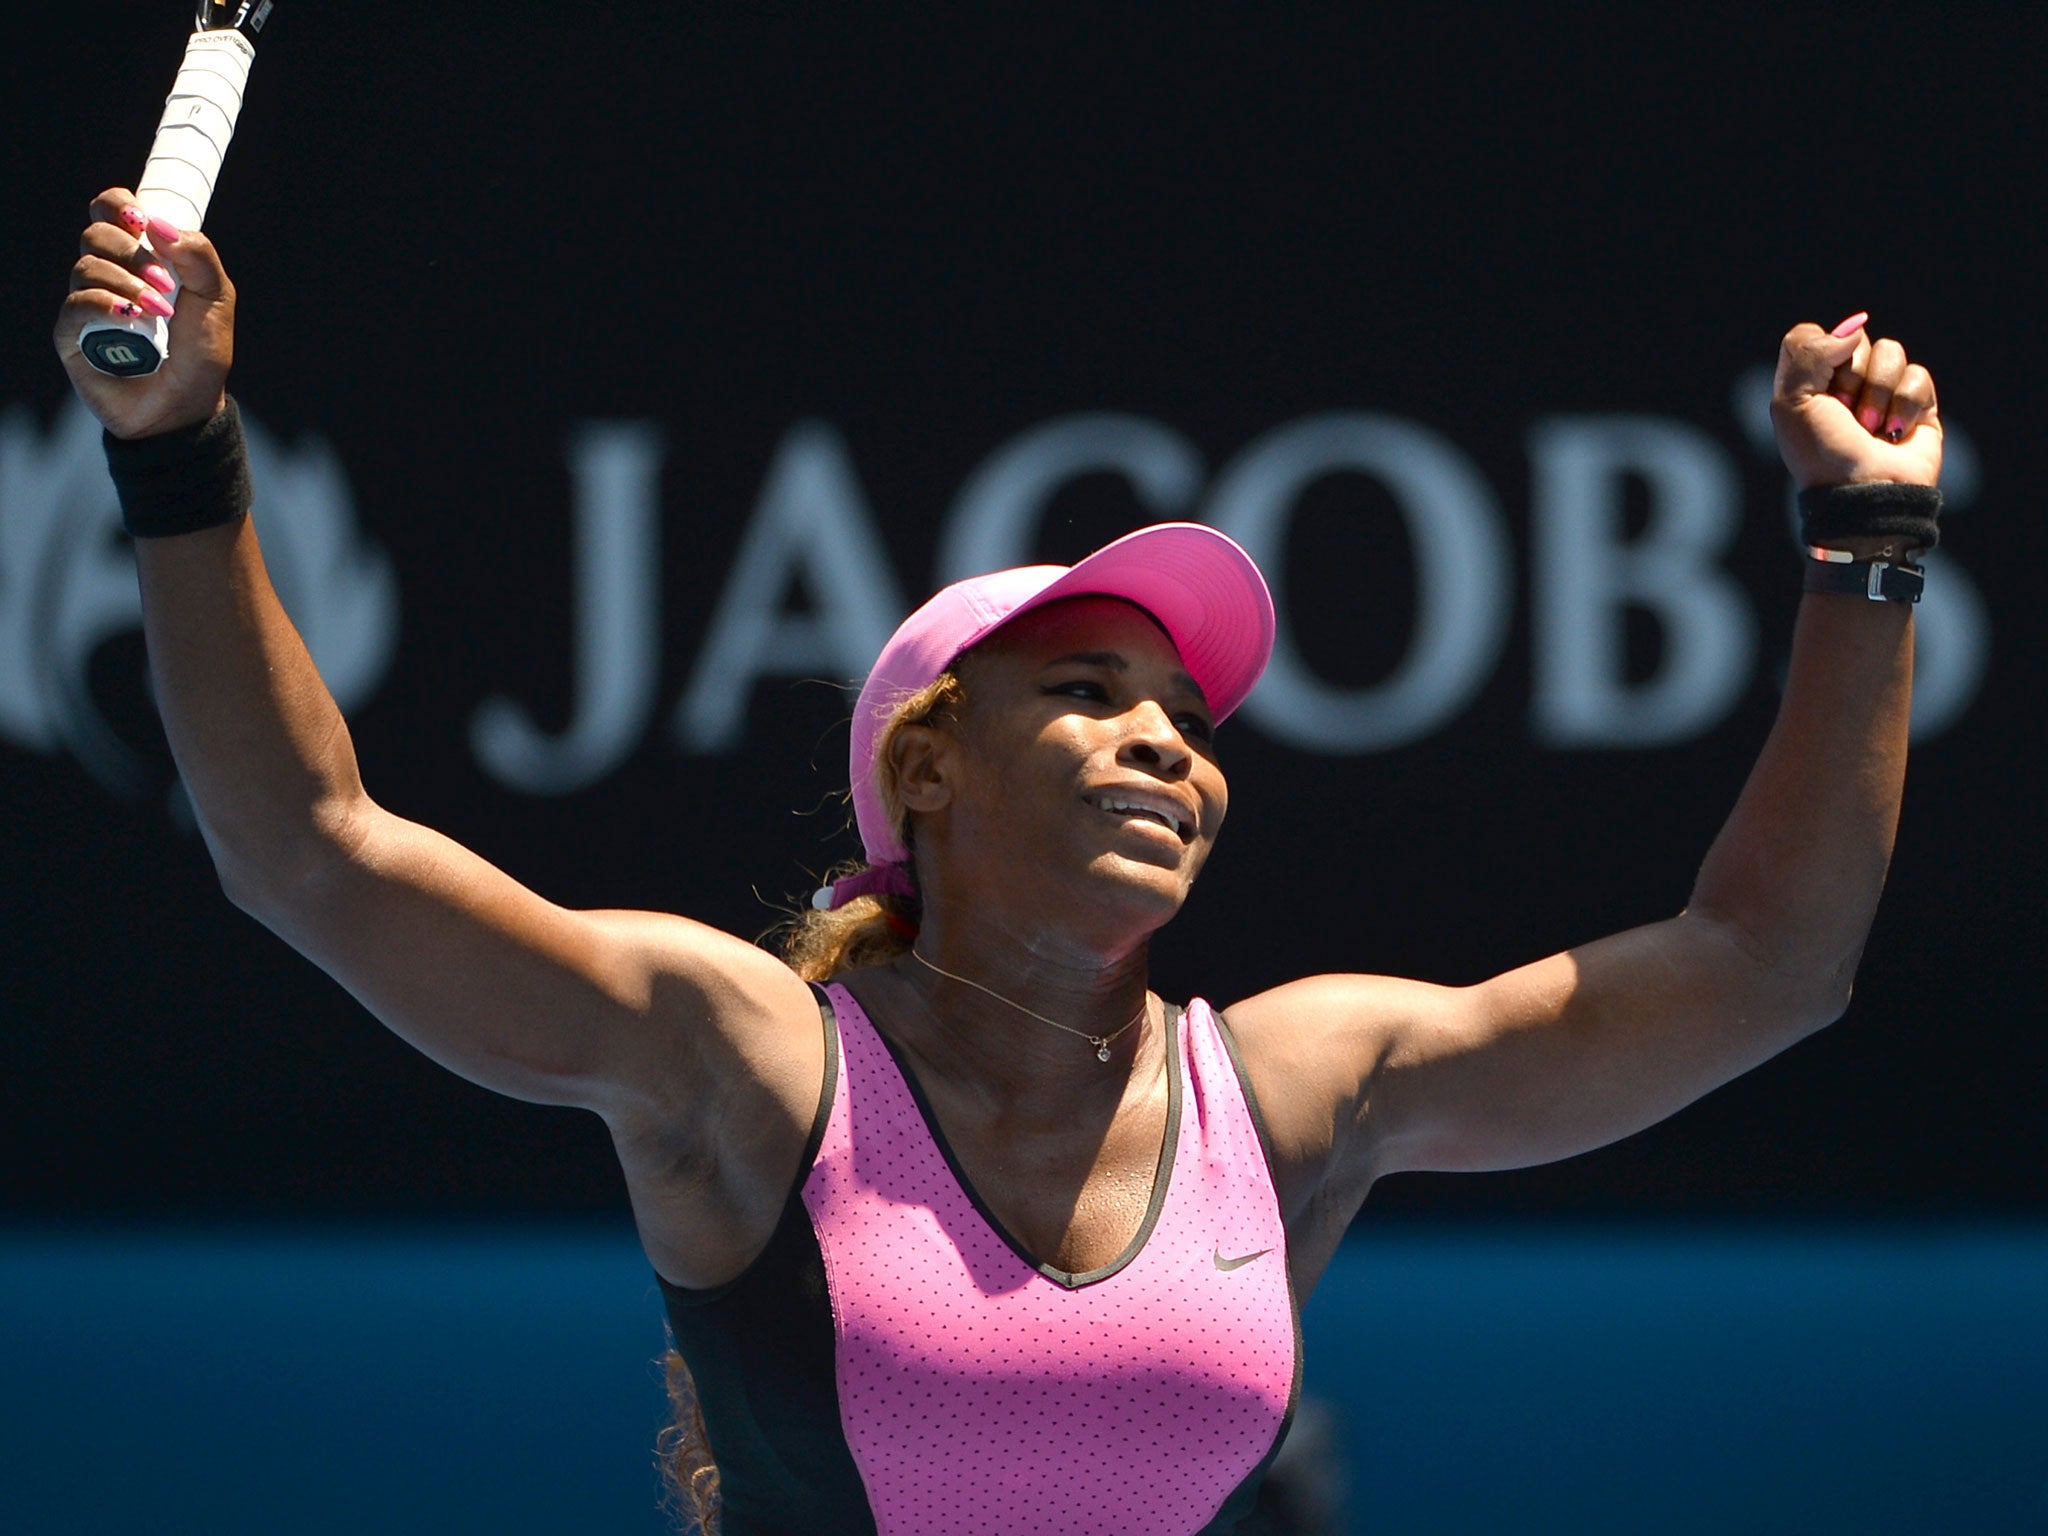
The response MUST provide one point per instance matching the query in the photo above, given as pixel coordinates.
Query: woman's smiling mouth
(1158, 809)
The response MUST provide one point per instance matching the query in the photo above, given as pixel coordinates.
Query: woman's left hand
(1851, 410)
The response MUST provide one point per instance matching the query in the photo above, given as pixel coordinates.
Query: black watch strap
(1881, 581)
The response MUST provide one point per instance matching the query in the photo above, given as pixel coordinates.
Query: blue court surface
(500, 1380)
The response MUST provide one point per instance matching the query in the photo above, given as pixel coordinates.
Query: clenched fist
(1849, 410)
(116, 277)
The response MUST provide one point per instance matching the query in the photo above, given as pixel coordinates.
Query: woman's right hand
(112, 280)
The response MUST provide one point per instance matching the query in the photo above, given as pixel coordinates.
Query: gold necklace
(1102, 1043)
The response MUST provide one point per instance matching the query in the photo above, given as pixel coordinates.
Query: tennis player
(961, 1226)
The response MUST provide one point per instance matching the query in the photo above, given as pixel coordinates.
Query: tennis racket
(191, 141)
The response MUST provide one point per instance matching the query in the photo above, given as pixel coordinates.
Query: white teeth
(1166, 819)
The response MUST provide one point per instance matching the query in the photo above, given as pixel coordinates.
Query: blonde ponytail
(870, 929)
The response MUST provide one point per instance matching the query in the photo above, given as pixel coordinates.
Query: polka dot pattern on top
(979, 1394)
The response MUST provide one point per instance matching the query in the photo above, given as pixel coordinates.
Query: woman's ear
(920, 756)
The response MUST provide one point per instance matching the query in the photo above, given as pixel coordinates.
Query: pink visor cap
(1202, 588)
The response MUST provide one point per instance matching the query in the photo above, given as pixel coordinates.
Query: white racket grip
(177, 183)
(198, 121)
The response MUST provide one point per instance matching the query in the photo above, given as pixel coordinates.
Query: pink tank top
(981, 1390)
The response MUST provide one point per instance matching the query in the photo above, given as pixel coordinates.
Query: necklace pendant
(1102, 1050)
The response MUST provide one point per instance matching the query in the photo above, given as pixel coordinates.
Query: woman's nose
(1153, 742)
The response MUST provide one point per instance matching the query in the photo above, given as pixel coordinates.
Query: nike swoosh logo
(1229, 1264)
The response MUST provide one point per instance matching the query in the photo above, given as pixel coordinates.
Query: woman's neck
(1016, 1012)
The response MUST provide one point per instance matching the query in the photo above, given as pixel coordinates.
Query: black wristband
(182, 481)
(1882, 581)
(1830, 513)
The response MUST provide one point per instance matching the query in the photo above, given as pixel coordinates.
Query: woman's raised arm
(1584, 1047)
(679, 1035)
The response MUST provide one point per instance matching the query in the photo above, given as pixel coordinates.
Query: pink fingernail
(154, 303)
(164, 230)
(130, 310)
(1870, 416)
(1895, 429)
(132, 217)
(159, 279)
(1842, 332)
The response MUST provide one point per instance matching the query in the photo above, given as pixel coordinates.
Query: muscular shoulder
(712, 1010)
(723, 1093)
(1312, 1050)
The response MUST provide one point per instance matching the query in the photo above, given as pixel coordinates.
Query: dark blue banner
(618, 377)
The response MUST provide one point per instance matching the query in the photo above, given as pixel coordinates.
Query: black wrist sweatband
(182, 481)
(1830, 513)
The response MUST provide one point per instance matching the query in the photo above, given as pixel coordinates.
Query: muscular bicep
(1586, 1047)
(1550, 1059)
(608, 1010)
